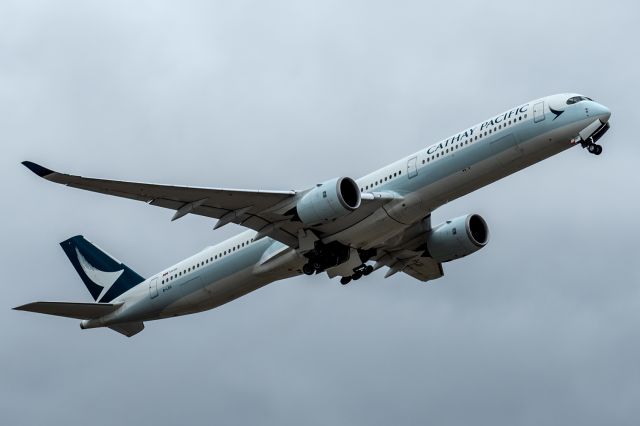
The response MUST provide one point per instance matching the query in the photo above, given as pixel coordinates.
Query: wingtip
(37, 169)
(22, 307)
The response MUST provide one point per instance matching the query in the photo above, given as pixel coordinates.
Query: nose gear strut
(590, 142)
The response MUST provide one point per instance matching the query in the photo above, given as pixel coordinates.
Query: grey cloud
(540, 327)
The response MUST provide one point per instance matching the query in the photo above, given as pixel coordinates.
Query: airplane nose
(602, 112)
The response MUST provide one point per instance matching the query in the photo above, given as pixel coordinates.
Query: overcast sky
(540, 327)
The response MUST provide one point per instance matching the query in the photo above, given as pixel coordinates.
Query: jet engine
(328, 201)
(457, 238)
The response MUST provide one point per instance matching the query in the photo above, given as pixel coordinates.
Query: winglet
(37, 169)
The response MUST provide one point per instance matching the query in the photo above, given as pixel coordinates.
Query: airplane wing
(257, 210)
(411, 263)
(267, 212)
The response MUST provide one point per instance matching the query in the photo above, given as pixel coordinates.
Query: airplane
(343, 227)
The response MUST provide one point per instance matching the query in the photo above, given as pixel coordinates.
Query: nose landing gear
(594, 149)
(592, 146)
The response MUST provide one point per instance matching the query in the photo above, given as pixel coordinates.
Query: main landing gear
(361, 271)
(327, 256)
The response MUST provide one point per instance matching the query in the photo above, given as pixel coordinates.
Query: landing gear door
(153, 288)
(538, 112)
(412, 167)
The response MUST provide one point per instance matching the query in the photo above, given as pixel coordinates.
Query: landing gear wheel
(356, 276)
(308, 269)
(598, 150)
(592, 148)
(345, 280)
(367, 270)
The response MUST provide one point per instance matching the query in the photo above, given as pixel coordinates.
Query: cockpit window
(577, 99)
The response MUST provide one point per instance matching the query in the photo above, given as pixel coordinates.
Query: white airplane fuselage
(335, 227)
(423, 181)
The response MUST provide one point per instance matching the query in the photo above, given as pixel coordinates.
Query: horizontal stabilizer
(70, 309)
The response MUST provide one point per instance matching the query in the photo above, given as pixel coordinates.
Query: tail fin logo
(105, 277)
(98, 277)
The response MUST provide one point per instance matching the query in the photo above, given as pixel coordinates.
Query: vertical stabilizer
(105, 277)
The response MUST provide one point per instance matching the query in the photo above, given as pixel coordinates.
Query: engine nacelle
(329, 200)
(457, 238)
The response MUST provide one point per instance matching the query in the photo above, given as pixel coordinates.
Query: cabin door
(412, 167)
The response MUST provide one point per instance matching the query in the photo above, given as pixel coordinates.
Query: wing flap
(70, 309)
(411, 263)
(423, 269)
